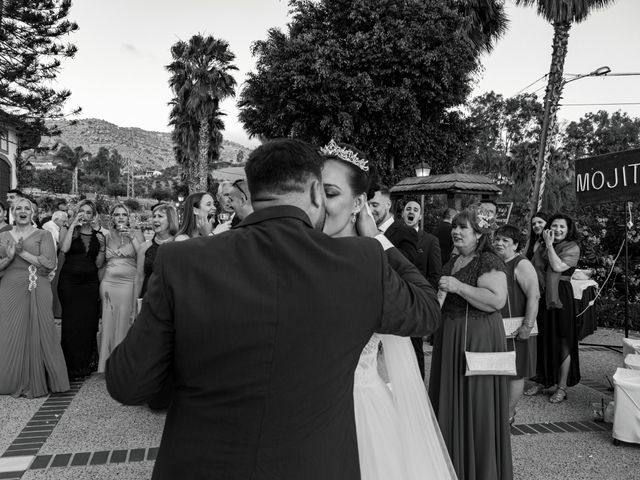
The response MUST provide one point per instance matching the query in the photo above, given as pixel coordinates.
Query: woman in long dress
(31, 360)
(398, 436)
(558, 361)
(117, 285)
(523, 300)
(79, 291)
(473, 411)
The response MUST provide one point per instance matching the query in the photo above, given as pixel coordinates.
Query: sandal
(559, 396)
(534, 390)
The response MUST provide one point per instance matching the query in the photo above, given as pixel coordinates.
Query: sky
(119, 73)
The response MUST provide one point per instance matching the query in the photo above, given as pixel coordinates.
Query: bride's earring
(353, 217)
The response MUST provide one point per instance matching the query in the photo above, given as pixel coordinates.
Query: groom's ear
(316, 193)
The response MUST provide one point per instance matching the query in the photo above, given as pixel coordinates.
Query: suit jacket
(443, 233)
(262, 327)
(428, 260)
(404, 239)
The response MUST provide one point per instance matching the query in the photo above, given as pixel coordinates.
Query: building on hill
(15, 135)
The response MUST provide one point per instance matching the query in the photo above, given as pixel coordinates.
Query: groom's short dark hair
(282, 166)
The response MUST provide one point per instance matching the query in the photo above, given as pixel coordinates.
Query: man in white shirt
(58, 220)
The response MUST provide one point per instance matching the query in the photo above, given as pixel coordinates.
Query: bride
(398, 435)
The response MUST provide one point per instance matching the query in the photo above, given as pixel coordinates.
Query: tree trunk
(201, 167)
(551, 100)
(74, 181)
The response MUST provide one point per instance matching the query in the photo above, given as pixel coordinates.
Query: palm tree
(484, 22)
(70, 159)
(200, 80)
(561, 14)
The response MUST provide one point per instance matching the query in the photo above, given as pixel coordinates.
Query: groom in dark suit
(261, 328)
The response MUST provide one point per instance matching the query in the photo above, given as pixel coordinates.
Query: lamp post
(423, 170)
(542, 164)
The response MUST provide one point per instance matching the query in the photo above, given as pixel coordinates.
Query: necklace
(462, 262)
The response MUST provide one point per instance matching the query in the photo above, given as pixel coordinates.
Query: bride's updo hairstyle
(362, 173)
(479, 220)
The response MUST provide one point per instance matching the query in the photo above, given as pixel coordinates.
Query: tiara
(333, 149)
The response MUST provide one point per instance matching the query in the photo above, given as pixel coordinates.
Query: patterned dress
(31, 360)
(473, 412)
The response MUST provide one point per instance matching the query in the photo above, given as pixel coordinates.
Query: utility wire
(596, 104)
(531, 84)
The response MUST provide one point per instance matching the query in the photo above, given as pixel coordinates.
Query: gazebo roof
(448, 183)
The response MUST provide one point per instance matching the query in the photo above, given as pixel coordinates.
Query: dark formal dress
(443, 234)
(79, 293)
(262, 327)
(516, 307)
(473, 412)
(149, 258)
(31, 360)
(558, 327)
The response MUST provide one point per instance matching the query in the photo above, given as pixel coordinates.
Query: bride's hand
(365, 224)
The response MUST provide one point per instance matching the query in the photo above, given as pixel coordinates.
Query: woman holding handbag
(523, 299)
(473, 411)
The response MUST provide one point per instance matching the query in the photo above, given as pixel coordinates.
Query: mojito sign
(610, 177)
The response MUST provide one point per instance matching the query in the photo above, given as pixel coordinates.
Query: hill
(149, 150)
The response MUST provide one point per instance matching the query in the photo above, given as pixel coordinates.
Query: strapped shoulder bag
(488, 363)
(512, 324)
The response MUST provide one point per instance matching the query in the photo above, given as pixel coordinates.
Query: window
(4, 141)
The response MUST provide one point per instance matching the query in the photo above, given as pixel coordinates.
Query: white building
(11, 135)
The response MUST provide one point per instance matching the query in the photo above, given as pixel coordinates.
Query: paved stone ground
(84, 434)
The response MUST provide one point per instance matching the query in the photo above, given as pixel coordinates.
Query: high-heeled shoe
(559, 396)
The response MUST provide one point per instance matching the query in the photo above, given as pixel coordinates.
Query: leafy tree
(116, 190)
(561, 14)
(30, 52)
(382, 75)
(200, 80)
(56, 181)
(70, 160)
(132, 204)
(106, 163)
(161, 194)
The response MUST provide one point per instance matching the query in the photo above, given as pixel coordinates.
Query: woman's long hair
(189, 225)
(572, 230)
(171, 214)
(532, 236)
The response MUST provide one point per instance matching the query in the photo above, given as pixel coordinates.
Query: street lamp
(543, 160)
(423, 170)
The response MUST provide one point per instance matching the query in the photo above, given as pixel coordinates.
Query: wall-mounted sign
(503, 212)
(608, 178)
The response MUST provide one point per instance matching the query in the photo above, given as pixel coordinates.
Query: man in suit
(402, 237)
(262, 328)
(428, 260)
(443, 234)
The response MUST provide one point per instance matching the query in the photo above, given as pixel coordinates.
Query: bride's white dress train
(398, 434)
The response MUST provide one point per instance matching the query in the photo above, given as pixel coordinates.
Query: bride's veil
(426, 452)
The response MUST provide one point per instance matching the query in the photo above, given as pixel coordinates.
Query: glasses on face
(238, 184)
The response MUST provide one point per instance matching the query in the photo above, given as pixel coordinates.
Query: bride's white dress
(398, 434)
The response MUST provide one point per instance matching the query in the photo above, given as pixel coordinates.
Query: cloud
(130, 48)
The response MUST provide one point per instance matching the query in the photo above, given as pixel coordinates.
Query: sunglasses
(238, 184)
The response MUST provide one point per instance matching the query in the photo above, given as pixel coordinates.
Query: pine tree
(31, 50)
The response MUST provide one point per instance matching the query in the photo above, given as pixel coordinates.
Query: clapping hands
(548, 236)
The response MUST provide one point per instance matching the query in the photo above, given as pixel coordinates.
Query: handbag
(512, 324)
(488, 363)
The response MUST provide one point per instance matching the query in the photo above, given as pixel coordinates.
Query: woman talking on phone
(79, 290)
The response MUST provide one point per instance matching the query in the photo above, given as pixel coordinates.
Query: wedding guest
(117, 285)
(223, 195)
(164, 221)
(12, 196)
(428, 260)
(4, 226)
(58, 220)
(79, 290)
(240, 200)
(198, 216)
(523, 300)
(31, 361)
(538, 222)
(397, 435)
(473, 411)
(558, 362)
(402, 237)
(443, 233)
